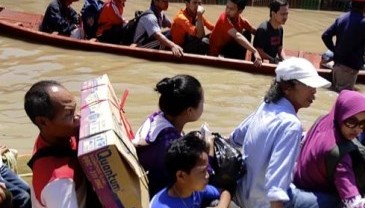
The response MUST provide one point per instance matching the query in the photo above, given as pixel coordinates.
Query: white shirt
(61, 193)
(270, 140)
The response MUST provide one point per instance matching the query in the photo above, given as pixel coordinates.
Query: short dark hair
(37, 101)
(179, 93)
(276, 4)
(184, 153)
(241, 4)
(357, 5)
(276, 92)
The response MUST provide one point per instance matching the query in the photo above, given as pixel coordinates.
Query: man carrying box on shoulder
(58, 180)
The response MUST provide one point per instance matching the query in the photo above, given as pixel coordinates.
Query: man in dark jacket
(60, 17)
(348, 50)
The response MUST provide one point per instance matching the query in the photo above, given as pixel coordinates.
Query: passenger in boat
(17, 187)
(188, 165)
(269, 35)
(58, 180)
(228, 38)
(61, 18)
(90, 13)
(111, 24)
(270, 137)
(149, 32)
(326, 172)
(349, 30)
(181, 101)
(188, 28)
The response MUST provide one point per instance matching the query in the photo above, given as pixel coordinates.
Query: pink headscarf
(348, 104)
(320, 139)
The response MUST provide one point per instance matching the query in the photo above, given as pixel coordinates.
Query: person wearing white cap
(270, 137)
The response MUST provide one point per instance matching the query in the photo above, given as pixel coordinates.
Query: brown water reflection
(230, 95)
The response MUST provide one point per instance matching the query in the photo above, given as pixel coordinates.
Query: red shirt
(220, 37)
(50, 168)
(183, 25)
(110, 15)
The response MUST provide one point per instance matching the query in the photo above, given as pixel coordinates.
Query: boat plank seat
(314, 58)
(26, 20)
(291, 53)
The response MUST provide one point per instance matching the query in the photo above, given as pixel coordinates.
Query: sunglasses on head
(353, 122)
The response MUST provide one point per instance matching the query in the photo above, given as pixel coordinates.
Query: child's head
(187, 162)
(179, 94)
(51, 107)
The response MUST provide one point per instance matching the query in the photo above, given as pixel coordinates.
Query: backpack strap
(137, 18)
(53, 152)
(336, 154)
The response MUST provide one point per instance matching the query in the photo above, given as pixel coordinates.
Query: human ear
(40, 121)
(180, 175)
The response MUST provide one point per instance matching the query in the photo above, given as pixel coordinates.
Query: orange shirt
(183, 25)
(220, 37)
(110, 15)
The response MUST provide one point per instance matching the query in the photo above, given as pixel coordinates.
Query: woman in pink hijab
(318, 173)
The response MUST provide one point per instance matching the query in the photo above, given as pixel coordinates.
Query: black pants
(195, 45)
(113, 35)
(234, 50)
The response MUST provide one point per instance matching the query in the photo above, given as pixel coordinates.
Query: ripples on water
(230, 96)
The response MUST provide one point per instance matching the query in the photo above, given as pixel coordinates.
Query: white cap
(302, 70)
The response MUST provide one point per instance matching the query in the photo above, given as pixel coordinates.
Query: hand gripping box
(106, 154)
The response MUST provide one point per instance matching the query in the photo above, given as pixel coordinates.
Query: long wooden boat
(25, 25)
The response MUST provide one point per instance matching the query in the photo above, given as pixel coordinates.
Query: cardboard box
(91, 96)
(100, 117)
(105, 151)
(113, 170)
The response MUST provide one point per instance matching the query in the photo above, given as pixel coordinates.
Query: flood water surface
(229, 95)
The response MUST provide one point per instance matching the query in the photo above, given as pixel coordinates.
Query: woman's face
(197, 112)
(353, 126)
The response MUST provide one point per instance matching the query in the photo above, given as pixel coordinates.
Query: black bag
(228, 164)
(130, 28)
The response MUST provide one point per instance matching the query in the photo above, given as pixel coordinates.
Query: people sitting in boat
(149, 32)
(62, 19)
(17, 187)
(181, 101)
(90, 13)
(269, 35)
(349, 30)
(327, 166)
(188, 165)
(111, 24)
(188, 28)
(58, 180)
(228, 36)
(270, 137)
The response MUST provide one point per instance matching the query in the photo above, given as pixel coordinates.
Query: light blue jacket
(270, 139)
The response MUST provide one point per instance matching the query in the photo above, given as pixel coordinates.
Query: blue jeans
(17, 187)
(304, 199)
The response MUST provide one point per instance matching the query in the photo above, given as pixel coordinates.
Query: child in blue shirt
(187, 164)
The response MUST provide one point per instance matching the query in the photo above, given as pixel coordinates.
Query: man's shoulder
(263, 25)
(162, 200)
(180, 16)
(54, 5)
